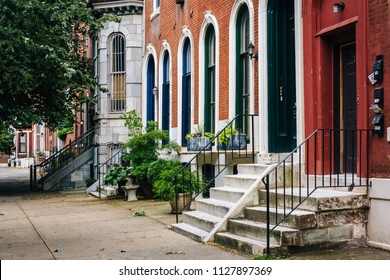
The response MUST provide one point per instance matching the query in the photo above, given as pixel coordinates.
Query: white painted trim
(209, 19)
(186, 33)
(150, 52)
(165, 48)
(299, 76)
(263, 74)
(232, 55)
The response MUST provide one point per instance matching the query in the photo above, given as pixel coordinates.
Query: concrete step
(200, 220)
(320, 200)
(254, 169)
(330, 235)
(96, 194)
(213, 207)
(190, 231)
(240, 180)
(230, 194)
(246, 245)
(298, 219)
(258, 230)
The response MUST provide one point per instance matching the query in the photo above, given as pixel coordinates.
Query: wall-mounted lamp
(337, 7)
(251, 49)
(155, 91)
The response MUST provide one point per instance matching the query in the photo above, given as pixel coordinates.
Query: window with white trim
(117, 59)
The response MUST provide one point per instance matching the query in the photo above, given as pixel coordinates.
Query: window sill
(155, 14)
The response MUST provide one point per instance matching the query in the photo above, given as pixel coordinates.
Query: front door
(281, 76)
(345, 108)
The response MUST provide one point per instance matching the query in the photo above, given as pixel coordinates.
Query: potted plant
(116, 176)
(144, 145)
(199, 139)
(231, 139)
(165, 185)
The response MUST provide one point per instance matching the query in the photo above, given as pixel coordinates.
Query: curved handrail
(229, 151)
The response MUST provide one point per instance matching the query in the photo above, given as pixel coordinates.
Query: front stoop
(210, 212)
(327, 219)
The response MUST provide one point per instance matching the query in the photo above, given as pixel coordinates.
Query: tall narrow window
(209, 100)
(186, 91)
(22, 143)
(242, 65)
(150, 84)
(165, 93)
(118, 73)
(95, 61)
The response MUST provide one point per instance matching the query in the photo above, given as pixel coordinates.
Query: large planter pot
(198, 143)
(236, 142)
(184, 203)
(145, 189)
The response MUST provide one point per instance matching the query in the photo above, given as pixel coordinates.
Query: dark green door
(281, 76)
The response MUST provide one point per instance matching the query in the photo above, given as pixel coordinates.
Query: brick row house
(309, 76)
(299, 65)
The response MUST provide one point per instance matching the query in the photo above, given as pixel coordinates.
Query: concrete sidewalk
(35, 225)
(73, 226)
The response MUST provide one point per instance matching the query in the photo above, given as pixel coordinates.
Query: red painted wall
(323, 30)
(379, 44)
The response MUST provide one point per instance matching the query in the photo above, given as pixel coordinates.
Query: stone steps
(211, 211)
(319, 200)
(299, 219)
(282, 236)
(247, 245)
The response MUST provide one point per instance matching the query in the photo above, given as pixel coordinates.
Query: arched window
(117, 73)
(209, 91)
(186, 91)
(242, 66)
(150, 84)
(165, 93)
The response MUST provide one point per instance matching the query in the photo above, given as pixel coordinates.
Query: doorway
(345, 117)
(282, 127)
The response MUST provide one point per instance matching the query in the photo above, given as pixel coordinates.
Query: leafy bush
(117, 175)
(186, 182)
(157, 167)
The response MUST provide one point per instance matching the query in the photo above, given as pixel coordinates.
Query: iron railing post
(268, 214)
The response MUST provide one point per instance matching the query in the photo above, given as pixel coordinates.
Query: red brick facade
(168, 25)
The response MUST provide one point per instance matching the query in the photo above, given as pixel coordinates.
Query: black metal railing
(60, 158)
(105, 167)
(328, 158)
(235, 141)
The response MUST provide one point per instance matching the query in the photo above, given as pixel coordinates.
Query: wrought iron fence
(60, 158)
(227, 146)
(328, 158)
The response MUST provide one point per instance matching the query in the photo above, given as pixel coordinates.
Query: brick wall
(379, 44)
(168, 26)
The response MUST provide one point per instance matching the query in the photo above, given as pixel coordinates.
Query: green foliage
(144, 144)
(89, 181)
(199, 132)
(65, 126)
(62, 133)
(139, 213)
(44, 69)
(186, 182)
(225, 135)
(133, 123)
(116, 175)
(6, 138)
(156, 167)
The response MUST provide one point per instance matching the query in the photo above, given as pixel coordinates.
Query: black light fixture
(337, 7)
(251, 49)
